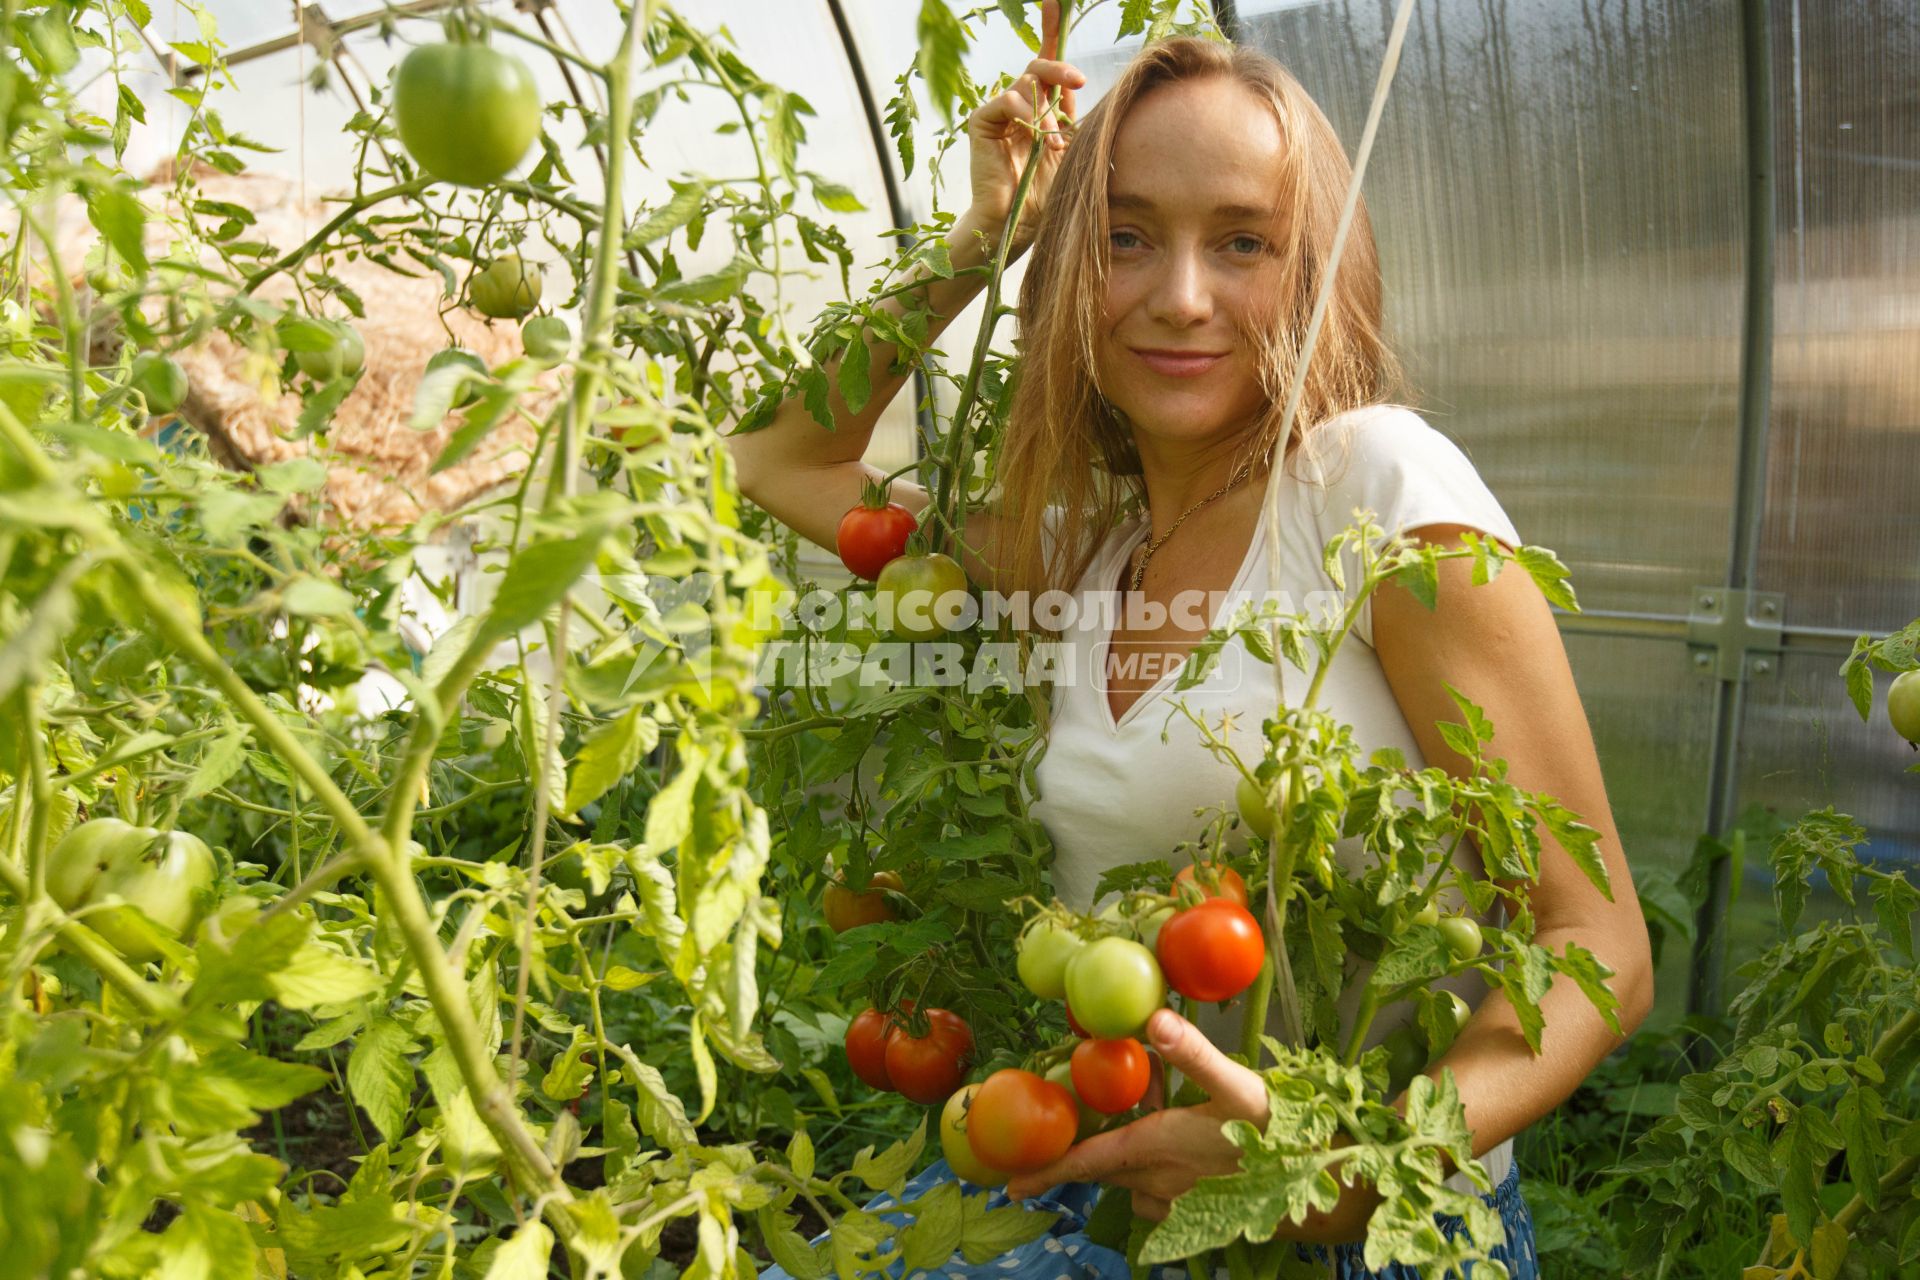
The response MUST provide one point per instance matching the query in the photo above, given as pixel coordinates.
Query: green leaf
(1586, 969)
(888, 1171)
(688, 198)
(986, 1233)
(609, 754)
(789, 1250)
(839, 199)
(936, 1228)
(901, 113)
(717, 286)
(380, 1075)
(295, 475)
(658, 1111)
(309, 596)
(855, 385)
(538, 576)
(1015, 12)
(319, 975)
(122, 220)
(525, 1256)
(943, 41)
(219, 762)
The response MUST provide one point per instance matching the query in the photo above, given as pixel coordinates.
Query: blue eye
(1123, 240)
(1247, 244)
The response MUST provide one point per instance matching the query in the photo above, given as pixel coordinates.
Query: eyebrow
(1122, 200)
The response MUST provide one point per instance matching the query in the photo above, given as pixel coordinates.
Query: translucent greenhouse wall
(1560, 190)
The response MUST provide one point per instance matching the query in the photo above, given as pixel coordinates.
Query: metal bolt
(1761, 666)
(1767, 607)
(1701, 659)
(1708, 602)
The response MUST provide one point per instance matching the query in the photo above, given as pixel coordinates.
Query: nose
(1182, 296)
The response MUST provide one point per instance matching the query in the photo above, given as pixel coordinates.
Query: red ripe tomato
(867, 1048)
(1019, 1122)
(1110, 1075)
(1215, 881)
(846, 909)
(1212, 951)
(873, 533)
(928, 1068)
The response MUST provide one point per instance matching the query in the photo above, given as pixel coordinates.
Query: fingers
(1233, 1087)
(1044, 73)
(1050, 29)
(1150, 1207)
(1098, 1159)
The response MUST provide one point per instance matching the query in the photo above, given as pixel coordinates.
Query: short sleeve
(1397, 465)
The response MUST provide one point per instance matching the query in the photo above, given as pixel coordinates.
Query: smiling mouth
(1179, 364)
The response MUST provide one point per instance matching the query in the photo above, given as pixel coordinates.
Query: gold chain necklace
(1145, 552)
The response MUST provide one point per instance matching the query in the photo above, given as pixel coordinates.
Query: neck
(1176, 479)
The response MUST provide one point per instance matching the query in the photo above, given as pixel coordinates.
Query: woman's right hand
(1000, 136)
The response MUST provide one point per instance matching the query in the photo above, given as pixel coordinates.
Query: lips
(1173, 363)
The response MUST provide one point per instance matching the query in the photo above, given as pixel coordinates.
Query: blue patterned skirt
(1066, 1252)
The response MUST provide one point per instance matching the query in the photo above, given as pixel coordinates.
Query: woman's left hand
(1162, 1154)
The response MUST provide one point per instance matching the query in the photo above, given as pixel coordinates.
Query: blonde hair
(1065, 445)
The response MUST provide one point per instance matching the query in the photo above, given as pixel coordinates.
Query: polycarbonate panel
(1556, 189)
(1652, 727)
(1806, 748)
(1842, 536)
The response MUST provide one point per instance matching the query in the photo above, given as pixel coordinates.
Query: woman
(1179, 242)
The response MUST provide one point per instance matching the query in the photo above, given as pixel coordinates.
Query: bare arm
(807, 476)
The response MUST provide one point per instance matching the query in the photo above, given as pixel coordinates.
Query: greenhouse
(1039, 639)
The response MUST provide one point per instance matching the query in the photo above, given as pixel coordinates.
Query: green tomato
(505, 289)
(1045, 949)
(1903, 706)
(466, 113)
(1406, 1056)
(1114, 985)
(1462, 936)
(1458, 1011)
(1428, 915)
(954, 1144)
(160, 380)
(343, 355)
(457, 357)
(1253, 806)
(1150, 927)
(546, 338)
(1061, 1073)
(918, 591)
(141, 871)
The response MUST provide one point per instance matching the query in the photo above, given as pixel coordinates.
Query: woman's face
(1193, 264)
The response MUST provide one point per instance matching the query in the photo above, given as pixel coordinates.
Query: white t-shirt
(1114, 793)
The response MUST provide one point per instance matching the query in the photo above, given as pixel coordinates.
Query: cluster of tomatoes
(874, 541)
(1112, 971)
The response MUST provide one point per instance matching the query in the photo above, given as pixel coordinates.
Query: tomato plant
(955, 1146)
(866, 1045)
(1019, 1122)
(1110, 1075)
(1113, 986)
(106, 867)
(921, 594)
(846, 909)
(926, 1068)
(874, 534)
(466, 112)
(1045, 950)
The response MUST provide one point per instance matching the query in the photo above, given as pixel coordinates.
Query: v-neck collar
(1105, 640)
